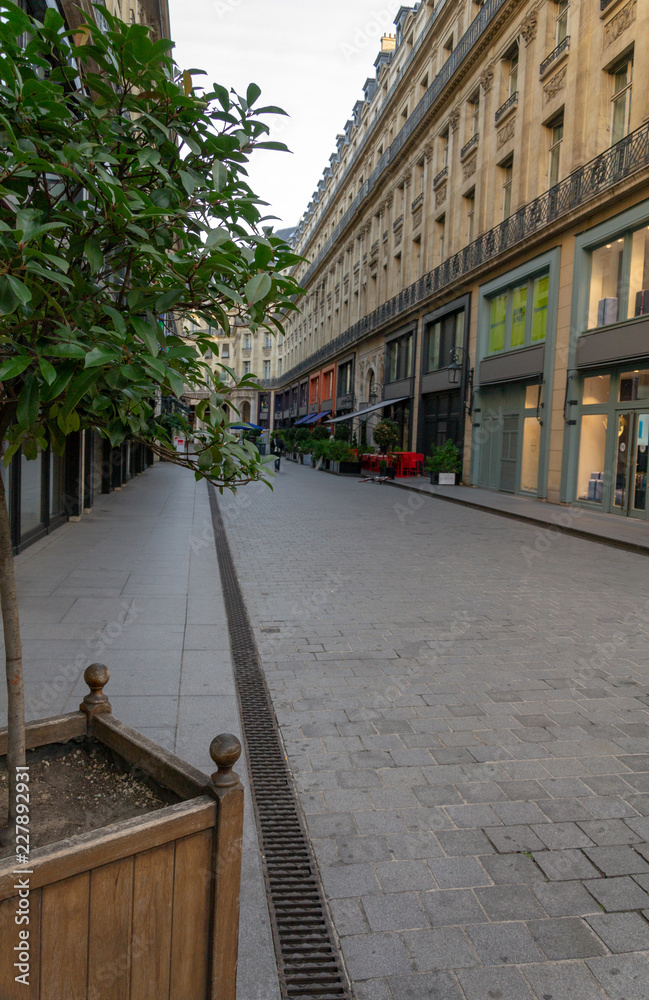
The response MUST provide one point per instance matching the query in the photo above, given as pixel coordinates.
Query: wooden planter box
(144, 909)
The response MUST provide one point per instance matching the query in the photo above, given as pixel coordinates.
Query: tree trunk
(14, 657)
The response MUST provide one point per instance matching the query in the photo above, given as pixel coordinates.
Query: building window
(224, 351)
(474, 110)
(555, 130)
(440, 233)
(345, 378)
(619, 279)
(268, 342)
(507, 171)
(280, 365)
(512, 71)
(399, 355)
(442, 337)
(246, 342)
(448, 46)
(622, 80)
(562, 20)
(469, 203)
(246, 368)
(266, 369)
(313, 391)
(443, 150)
(518, 317)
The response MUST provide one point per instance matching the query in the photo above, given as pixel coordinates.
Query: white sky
(309, 58)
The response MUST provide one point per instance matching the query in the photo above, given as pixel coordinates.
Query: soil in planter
(78, 786)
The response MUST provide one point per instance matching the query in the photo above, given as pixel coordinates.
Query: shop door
(630, 486)
(509, 454)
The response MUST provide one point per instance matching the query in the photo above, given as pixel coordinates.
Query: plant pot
(443, 478)
(391, 471)
(148, 905)
(349, 468)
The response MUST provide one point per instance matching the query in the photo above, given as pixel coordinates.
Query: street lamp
(456, 366)
(456, 375)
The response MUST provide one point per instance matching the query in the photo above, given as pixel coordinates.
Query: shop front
(607, 397)
(514, 377)
(399, 373)
(445, 378)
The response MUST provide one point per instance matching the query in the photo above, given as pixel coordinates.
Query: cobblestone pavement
(464, 702)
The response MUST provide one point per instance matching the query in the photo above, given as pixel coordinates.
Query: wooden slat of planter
(227, 873)
(58, 729)
(152, 901)
(109, 939)
(89, 850)
(161, 764)
(64, 939)
(9, 988)
(191, 917)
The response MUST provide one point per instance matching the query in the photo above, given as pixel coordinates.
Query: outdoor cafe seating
(406, 463)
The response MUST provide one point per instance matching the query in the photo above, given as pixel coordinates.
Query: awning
(369, 409)
(245, 427)
(317, 416)
(302, 420)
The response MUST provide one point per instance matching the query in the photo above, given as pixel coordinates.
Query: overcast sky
(310, 58)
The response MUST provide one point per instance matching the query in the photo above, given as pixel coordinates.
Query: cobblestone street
(464, 703)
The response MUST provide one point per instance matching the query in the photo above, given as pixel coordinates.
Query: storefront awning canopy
(313, 419)
(368, 409)
(302, 420)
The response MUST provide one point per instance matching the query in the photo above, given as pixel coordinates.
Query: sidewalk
(135, 585)
(620, 532)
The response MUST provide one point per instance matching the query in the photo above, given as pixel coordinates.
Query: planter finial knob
(225, 751)
(96, 677)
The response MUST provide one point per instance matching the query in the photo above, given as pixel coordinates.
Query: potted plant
(387, 436)
(343, 459)
(444, 464)
(152, 222)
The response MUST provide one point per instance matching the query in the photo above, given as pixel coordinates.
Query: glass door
(630, 486)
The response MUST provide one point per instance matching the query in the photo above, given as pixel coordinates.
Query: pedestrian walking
(277, 448)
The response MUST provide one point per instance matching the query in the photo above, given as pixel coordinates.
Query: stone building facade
(478, 249)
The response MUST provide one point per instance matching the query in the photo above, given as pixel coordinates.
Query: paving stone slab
(494, 984)
(615, 894)
(509, 902)
(504, 943)
(624, 977)
(561, 866)
(621, 932)
(452, 906)
(564, 938)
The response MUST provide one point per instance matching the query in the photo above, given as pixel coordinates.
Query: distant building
(479, 249)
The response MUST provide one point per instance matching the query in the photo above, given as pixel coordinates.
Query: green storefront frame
(513, 386)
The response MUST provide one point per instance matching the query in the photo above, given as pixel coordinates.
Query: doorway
(632, 452)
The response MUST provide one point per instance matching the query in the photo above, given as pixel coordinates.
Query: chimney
(388, 43)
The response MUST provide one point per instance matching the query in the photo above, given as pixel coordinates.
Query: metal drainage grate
(310, 965)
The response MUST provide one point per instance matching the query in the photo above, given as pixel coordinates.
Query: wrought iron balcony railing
(417, 202)
(469, 146)
(510, 103)
(563, 46)
(441, 176)
(617, 163)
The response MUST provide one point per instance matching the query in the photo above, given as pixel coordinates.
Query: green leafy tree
(386, 434)
(124, 209)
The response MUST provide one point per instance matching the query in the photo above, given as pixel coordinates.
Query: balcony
(397, 224)
(469, 146)
(442, 175)
(417, 202)
(555, 55)
(504, 109)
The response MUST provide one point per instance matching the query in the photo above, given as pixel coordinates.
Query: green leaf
(148, 334)
(219, 175)
(14, 366)
(252, 94)
(216, 238)
(94, 255)
(29, 402)
(78, 389)
(21, 291)
(48, 371)
(101, 356)
(257, 288)
(176, 383)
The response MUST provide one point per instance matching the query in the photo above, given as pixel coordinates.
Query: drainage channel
(309, 963)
